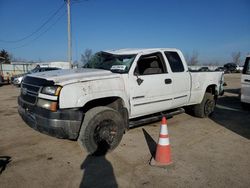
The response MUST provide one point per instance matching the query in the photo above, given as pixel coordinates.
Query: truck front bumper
(61, 124)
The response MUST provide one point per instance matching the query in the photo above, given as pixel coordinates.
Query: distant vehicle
(230, 67)
(17, 80)
(239, 68)
(245, 85)
(220, 69)
(204, 69)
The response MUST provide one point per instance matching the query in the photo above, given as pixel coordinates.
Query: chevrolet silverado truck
(116, 90)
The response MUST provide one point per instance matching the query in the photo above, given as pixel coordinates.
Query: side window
(151, 64)
(246, 69)
(174, 61)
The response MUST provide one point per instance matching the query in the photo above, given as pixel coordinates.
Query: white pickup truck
(116, 90)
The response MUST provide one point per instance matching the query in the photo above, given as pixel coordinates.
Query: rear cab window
(246, 69)
(174, 60)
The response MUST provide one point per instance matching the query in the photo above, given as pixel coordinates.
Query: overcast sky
(37, 29)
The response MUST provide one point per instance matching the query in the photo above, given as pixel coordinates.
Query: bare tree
(85, 57)
(236, 57)
(193, 59)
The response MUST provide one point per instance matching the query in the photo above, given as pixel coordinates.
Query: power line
(79, 2)
(45, 31)
(38, 29)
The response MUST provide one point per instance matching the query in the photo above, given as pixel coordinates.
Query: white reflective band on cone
(164, 130)
(163, 141)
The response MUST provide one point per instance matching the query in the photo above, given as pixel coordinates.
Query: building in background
(17, 68)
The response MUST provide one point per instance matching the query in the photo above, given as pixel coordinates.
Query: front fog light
(50, 105)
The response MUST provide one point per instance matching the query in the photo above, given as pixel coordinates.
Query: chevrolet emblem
(24, 91)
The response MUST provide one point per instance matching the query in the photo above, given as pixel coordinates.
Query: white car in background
(245, 85)
(17, 80)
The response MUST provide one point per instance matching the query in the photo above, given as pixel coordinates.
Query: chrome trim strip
(152, 102)
(31, 94)
(138, 97)
(44, 96)
(31, 85)
(180, 97)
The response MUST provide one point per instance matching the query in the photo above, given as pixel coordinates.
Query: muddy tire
(245, 106)
(206, 107)
(101, 131)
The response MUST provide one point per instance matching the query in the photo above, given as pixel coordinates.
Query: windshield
(112, 62)
(36, 69)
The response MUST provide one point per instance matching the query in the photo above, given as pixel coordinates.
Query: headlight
(50, 105)
(51, 90)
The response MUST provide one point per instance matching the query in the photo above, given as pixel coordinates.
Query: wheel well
(212, 89)
(113, 102)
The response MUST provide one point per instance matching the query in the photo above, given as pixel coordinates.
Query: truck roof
(128, 51)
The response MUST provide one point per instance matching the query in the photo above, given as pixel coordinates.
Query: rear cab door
(181, 79)
(245, 82)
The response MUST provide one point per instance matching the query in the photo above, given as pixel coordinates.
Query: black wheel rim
(106, 131)
(209, 107)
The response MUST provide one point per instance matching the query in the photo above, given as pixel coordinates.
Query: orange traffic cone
(162, 156)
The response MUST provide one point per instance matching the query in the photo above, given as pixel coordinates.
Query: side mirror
(139, 80)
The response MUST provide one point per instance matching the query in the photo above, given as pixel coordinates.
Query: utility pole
(69, 36)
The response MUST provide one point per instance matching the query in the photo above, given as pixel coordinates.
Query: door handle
(246, 80)
(168, 81)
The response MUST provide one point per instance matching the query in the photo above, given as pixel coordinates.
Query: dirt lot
(212, 152)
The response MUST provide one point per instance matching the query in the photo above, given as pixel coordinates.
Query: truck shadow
(229, 114)
(233, 91)
(150, 142)
(98, 171)
(4, 161)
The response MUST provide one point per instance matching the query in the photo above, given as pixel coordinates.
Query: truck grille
(31, 87)
(29, 93)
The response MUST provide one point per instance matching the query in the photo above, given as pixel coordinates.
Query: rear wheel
(206, 107)
(101, 131)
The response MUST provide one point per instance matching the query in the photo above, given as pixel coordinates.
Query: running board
(153, 118)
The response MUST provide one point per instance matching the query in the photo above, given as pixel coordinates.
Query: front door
(150, 86)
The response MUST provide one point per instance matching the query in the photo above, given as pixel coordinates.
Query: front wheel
(102, 130)
(206, 107)
(245, 106)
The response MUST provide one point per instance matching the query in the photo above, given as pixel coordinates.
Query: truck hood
(68, 76)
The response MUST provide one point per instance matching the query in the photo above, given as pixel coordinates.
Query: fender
(199, 88)
(78, 94)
